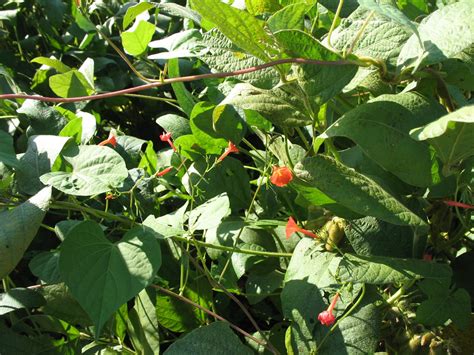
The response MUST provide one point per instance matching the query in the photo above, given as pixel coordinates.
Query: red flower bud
(166, 137)
(458, 204)
(326, 317)
(112, 140)
(292, 227)
(231, 148)
(164, 171)
(281, 176)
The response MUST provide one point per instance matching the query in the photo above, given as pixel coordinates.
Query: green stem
(334, 22)
(400, 292)
(61, 205)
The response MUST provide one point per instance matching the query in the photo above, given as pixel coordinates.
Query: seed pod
(334, 232)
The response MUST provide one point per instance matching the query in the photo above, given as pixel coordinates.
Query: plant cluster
(258, 176)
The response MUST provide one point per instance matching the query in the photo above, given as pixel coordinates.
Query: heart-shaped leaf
(102, 275)
(94, 170)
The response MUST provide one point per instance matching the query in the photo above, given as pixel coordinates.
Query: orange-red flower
(231, 148)
(112, 140)
(327, 317)
(281, 176)
(458, 204)
(164, 171)
(166, 137)
(292, 227)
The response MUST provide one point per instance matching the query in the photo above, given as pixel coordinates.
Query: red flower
(164, 171)
(292, 227)
(112, 140)
(281, 176)
(327, 317)
(458, 204)
(166, 137)
(231, 148)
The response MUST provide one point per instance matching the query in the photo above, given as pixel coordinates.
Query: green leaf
(19, 298)
(451, 135)
(18, 227)
(436, 311)
(184, 44)
(45, 266)
(7, 153)
(319, 82)
(214, 126)
(278, 106)
(176, 125)
(370, 236)
(82, 128)
(134, 11)
(135, 41)
(43, 118)
(379, 270)
(382, 37)
(348, 7)
(392, 12)
(70, 84)
(38, 160)
(359, 332)
(185, 98)
(258, 287)
(223, 56)
(210, 213)
(94, 170)
(260, 7)
(53, 63)
(445, 33)
(291, 17)
(244, 30)
(149, 159)
(310, 270)
(143, 323)
(228, 176)
(355, 191)
(101, 275)
(213, 338)
(381, 129)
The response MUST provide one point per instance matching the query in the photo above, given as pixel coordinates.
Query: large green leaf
(211, 339)
(134, 11)
(319, 82)
(381, 128)
(52, 63)
(94, 170)
(101, 275)
(185, 98)
(43, 119)
(210, 213)
(135, 41)
(7, 153)
(444, 33)
(379, 270)
(452, 135)
(70, 84)
(382, 37)
(38, 160)
(278, 106)
(309, 271)
(223, 56)
(239, 26)
(355, 191)
(18, 227)
(143, 323)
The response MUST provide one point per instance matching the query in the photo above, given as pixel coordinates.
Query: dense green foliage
(153, 219)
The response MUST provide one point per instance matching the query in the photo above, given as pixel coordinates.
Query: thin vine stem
(334, 22)
(183, 79)
(211, 313)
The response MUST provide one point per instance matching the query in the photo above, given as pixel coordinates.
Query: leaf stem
(334, 22)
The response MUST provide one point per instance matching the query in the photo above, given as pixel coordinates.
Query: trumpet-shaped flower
(292, 227)
(281, 176)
